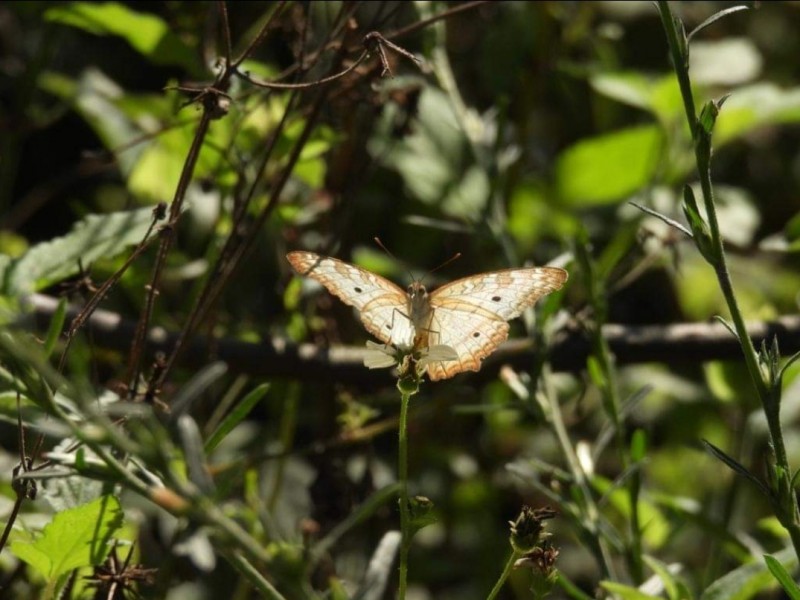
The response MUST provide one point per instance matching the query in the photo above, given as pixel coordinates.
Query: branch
(631, 344)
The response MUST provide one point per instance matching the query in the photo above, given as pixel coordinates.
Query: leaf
(638, 445)
(755, 106)
(730, 61)
(660, 96)
(700, 231)
(737, 467)
(234, 417)
(716, 17)
(92, 238)
(782, 575)
(608, 168)
(78, 537)
(663, 218)
(69, 489)
(626, 592)
(56, 326)
(748, 580)
(672, 586)
(194, 389)
(380, 567)
(147, 33)
(434, 163)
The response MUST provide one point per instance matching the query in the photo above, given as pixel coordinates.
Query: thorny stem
(137, 347)
(771, 405)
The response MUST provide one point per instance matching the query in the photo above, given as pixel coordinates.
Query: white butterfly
(468, 314)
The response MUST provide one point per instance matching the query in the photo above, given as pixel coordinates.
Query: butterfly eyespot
(476, 334)
(496, 298)
(388, 326)
(358, 290)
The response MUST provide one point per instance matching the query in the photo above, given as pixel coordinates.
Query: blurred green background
(527, 130)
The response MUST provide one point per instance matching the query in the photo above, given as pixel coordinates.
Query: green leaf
(660, 96)
(726, 62)
(337, 590)
(709, 114)
(749, 580)
(758, 105)
(76, 538)
(638, 445)
(716, 17)
(782, 575)
(233, 418)
(596, 372)
(56, 326)
(71, 489)
(737, 467)
(147, 33)
(672, 586)
(626, 592)
(95, 237)
(608, 168)
(434, 163)
(700, 231)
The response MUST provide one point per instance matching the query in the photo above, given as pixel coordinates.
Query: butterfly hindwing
(381, 304)
(474, 335)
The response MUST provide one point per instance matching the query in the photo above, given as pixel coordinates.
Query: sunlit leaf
(95, 237)
(755, 106)
(77, 537)
(147, 33)
(748, 580)
(608, 168)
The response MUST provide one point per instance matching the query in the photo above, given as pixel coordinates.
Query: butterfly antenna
(385, 249)
(455, 256)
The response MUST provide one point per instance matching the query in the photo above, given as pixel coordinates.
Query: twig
(678, 343)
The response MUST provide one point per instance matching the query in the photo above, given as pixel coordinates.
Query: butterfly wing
(470, 314)
(381, 304)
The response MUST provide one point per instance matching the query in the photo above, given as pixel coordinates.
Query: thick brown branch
(631, 344)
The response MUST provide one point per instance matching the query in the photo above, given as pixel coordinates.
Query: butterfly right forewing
(381, 304)
(470, 314)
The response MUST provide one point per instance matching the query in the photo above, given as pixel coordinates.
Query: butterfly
(469, 315)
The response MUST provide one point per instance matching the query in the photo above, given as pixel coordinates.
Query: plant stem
(503, 576)
(402, 474)
(770, 399)
(591, 513)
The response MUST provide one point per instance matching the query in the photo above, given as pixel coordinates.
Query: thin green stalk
(254, 577)
(504, 575)
(287, 431)
(402, 474)
(770, 399)
(588, 505)
(612, 402)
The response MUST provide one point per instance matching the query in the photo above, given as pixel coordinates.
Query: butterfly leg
(400, 332)
(425, 337)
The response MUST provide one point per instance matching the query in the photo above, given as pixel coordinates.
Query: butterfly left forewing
(381, 304)
(470, 314)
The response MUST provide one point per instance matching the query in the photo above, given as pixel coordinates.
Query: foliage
(158, 162)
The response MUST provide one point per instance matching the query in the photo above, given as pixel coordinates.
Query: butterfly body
(468, 314)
